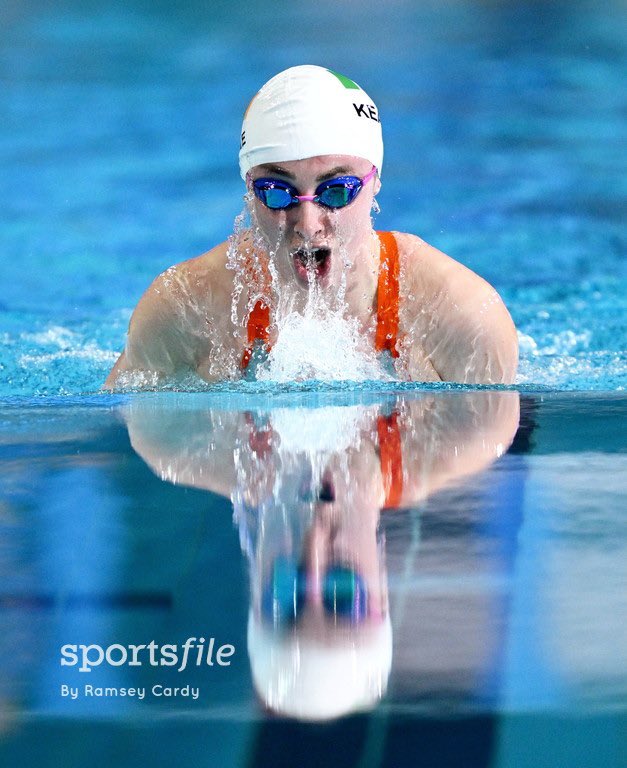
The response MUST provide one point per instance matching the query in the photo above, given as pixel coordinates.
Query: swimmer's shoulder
(429, 268)
(168, 330)
(202, 272)
(195, 283)
(430, 274)
(209, 275)
(459, 311)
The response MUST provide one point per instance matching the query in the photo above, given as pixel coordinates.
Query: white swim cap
(299, 676)
(308, 111)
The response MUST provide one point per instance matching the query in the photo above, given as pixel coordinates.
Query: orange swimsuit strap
(387, 306)
(387, 295)
(391, 458)
(258, 330)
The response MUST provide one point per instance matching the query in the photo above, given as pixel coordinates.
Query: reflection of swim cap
(307, 111)
(299, 676)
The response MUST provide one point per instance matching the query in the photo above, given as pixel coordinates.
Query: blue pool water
(499, 574)
(504, 134)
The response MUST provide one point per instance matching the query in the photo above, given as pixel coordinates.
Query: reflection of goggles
(334, 193)
(344, 593)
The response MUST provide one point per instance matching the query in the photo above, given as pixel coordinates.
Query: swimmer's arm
(477, 342)
(156, 344)
(460, 321)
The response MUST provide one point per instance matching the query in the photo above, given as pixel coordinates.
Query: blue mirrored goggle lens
(336, 196)
(275, 197)
(344, 593)
(335, 193)
(284, 595)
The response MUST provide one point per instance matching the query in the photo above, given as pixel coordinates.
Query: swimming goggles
(334, 193)
(344, 594)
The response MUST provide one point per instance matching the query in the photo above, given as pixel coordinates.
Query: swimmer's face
(341, 533)
(310, 241)
(344, 533)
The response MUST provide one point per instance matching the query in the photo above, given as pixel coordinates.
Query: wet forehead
(314, 169)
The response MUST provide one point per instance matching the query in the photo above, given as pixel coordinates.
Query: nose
(315, 558)
(309, 220)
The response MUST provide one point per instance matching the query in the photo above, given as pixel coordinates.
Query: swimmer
(311, 157)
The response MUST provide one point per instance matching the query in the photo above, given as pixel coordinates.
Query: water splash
(254, 277)
(315, 338)
(321, 345)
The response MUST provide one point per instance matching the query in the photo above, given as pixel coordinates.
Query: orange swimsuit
(391, 458)
(258, 325)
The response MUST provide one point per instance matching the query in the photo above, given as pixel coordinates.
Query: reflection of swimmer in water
(311, 155)
(307, 486)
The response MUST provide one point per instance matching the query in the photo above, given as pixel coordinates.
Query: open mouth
(326, 491)
(312, 264)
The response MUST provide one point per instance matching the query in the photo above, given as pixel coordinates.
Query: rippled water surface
(504, 138)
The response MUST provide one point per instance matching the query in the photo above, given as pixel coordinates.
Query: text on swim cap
(367, 110)
(243, 139)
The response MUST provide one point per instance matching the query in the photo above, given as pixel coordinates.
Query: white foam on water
(62, 343)
(55, 335)
(565, 360)
(89, 352)
(321, 345)
(563, 342)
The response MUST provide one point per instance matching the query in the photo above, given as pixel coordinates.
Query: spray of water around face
(314, 335)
